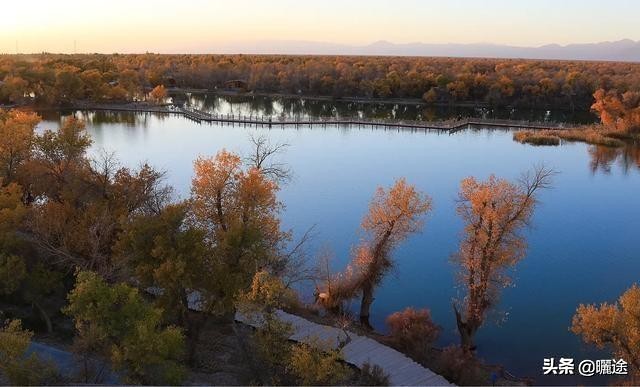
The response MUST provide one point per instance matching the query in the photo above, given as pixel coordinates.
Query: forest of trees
(55, 79)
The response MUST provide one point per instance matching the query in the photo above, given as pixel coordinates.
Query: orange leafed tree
(238, 208)
(494, 212)
(616, 326)
(59, 160)
(394, 214)
(618, 112)
(158, 94)
(16, 141)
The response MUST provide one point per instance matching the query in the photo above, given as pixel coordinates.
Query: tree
(259, 304)
(141, 191)
(17, 275)
(19, 368)
(458, 90)
(114, 321)
(164, 252)
(318, 364)
(494, 212)
(13, 269)
(79, 206)
(12, 272)
(130, 82)
(238, 209)
(615, 326)
(394, 215)
(158, 94)
(413, 331)
(314, 363)
(41, 284)
(12, 213)
(430, 96)
(13, 89)
(261, 159)
(618, 112)
(95, 86)
(16, 141)
(59, 157)
(68, 85)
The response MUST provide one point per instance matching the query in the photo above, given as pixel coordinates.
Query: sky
(209, 26)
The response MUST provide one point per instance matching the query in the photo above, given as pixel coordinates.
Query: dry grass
(536, 138)
(594, 135)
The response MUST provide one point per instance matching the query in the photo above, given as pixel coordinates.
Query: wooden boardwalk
(402, 370)
(359, 350)
(450, 126)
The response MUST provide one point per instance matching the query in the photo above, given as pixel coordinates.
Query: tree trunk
(45, 316)
(467, 331)
(194, 323)
(365, 306)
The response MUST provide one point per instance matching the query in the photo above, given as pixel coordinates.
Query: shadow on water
(603, 158)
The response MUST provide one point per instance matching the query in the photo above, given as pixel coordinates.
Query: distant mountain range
(622, 50)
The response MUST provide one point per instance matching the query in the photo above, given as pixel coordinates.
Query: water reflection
(104, 118)
(314, 108)
(602, 158)
(626, 157)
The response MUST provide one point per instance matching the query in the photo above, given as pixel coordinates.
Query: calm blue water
(583, 246)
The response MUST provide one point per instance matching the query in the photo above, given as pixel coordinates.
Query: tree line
(616, 134)
(55, 79)
(111, 248)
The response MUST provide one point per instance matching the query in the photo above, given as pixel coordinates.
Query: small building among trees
(237, 85)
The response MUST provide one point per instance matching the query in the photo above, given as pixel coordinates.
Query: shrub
(533, 138)
(413, 331)
(116, 322)
(317, 363)
(460, 367)
(272, 341)
(372, 376)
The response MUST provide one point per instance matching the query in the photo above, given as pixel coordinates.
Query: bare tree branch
(296, 261)
(263, 152)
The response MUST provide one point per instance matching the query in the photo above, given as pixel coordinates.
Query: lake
(582, 245)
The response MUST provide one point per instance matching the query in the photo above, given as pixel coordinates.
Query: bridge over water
(450, 126)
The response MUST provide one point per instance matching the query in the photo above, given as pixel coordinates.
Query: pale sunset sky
(206, 26)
